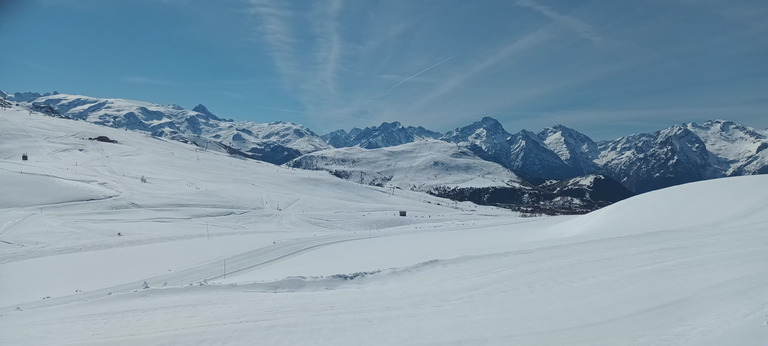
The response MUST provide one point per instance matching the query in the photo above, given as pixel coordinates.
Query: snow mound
(718, 202)
(24, 190)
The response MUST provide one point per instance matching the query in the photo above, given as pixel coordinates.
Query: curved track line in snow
(206, 271)
(306, 247)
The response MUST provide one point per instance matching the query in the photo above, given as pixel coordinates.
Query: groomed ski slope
(242, 252)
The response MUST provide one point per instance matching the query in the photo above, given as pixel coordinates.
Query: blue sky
(607, 68)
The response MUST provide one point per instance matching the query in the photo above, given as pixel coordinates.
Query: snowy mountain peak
(490, 122)
(482, 133)
(384, 135)
(673, 131)
(717, 122)
(566, 132)
(492, 125)
(573, 147)
(532, 159)
(200, 108)
(421, 132)
(523, 152)
(730, 129)
(486, 138)
(390, 126)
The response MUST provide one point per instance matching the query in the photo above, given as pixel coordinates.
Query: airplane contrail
(420, 72)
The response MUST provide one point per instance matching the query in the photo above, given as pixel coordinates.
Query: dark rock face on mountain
(530, 158)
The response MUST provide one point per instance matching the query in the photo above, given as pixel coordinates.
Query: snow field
(63, 210)
(288, 257)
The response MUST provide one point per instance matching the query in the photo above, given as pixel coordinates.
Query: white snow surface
(419, 166)
(277, 256)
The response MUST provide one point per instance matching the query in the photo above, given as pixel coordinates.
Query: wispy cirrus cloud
(330, 43)
(333, 64)
(312, 78)
(421, 72)
(274, 20)
(583, 29)
(459, 80)
(356, 64)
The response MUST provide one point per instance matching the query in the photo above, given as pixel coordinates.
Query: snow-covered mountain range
(640, 162)
(385, 135)
(453, 171)
(277, 142)
(523, 152)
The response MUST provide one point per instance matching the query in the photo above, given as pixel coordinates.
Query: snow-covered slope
(276, 142)
(215, 250)
(420, 166)
(693, 207)
(76, 195)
